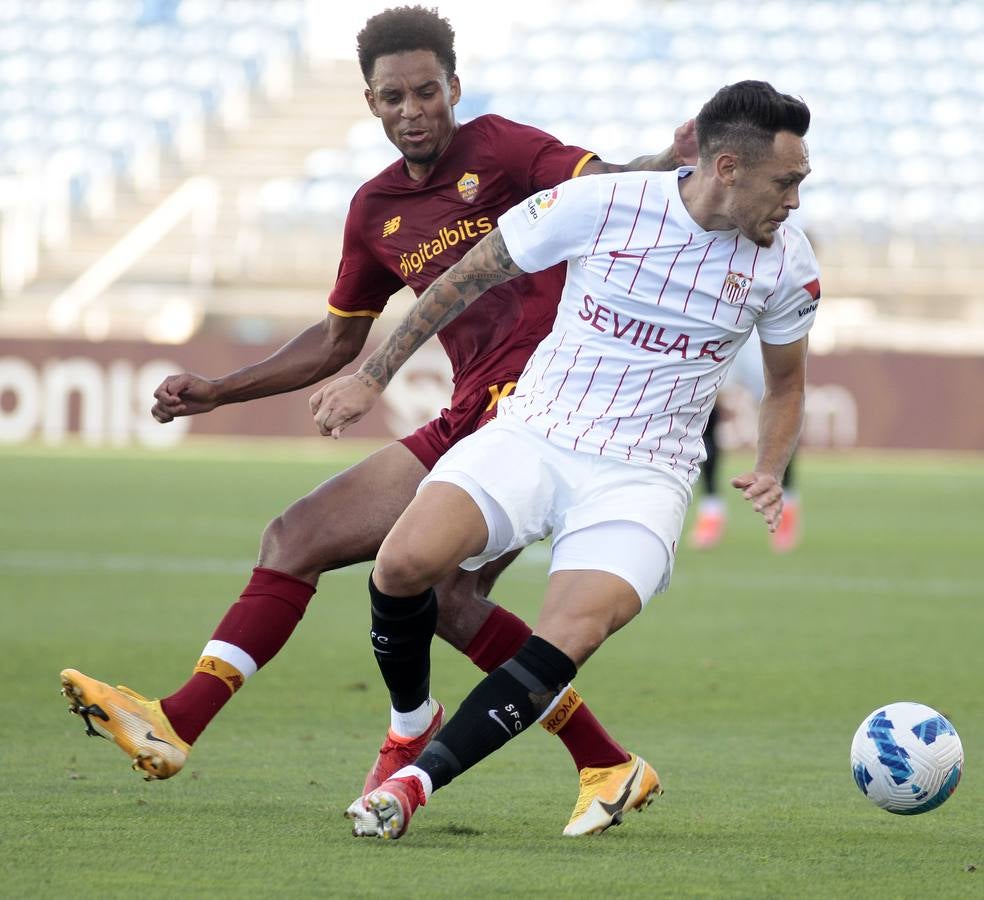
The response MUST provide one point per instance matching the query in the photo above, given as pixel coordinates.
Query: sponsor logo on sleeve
(537, 206)
(813, 289)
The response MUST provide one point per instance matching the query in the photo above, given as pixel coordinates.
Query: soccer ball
(906, 758)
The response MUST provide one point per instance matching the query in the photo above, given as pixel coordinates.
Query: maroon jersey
(400, 231)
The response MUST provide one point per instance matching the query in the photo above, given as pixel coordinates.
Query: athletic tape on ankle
(229, 674)
(560, 711)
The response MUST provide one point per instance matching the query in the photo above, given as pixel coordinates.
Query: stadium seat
(896, 92)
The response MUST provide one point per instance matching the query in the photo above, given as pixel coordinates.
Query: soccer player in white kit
(600, 443)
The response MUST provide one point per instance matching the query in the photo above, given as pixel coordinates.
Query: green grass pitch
(743, 686)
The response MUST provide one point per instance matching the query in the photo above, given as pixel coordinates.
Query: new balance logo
(391, 226)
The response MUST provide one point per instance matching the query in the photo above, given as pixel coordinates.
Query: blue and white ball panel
(906, 758)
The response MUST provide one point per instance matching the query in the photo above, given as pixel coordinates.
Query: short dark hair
(745, 117)
(402, 29)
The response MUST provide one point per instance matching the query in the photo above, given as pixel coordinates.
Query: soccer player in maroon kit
(405, 227)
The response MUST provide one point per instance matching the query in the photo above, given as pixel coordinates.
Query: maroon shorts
(431, 441)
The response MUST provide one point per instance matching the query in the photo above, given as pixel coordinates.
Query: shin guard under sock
(402, 630)
(250, 634)
(504, 704)
(499, 638)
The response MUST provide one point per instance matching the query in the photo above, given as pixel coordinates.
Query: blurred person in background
(405, 226)
(603, 433)
(712, 515)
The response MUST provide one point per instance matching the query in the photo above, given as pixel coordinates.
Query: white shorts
(528, 488)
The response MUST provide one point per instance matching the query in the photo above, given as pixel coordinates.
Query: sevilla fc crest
(736, 287)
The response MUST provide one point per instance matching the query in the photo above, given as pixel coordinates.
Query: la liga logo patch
(540, 204)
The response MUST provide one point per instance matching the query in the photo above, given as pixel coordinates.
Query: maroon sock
(258, 623)
(588, 743)
(498, 640)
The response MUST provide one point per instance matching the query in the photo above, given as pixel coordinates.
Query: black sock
(787, 478)
(402, 629)
(506, 703)
(709, 469)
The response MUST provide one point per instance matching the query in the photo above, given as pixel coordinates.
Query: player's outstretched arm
(780, 423)
(346, 400)
(682, 152)
(317, 352)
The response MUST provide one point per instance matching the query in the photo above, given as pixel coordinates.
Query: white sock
(553, 703)
(420, 775)
(712, 505)
(414, 723)
(231, 654)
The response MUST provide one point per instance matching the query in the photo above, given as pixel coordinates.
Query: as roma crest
(736, 287)
(468, 186)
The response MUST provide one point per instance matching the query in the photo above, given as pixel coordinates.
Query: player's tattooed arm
(487, 264)
(346, 400)
(682, 152)
(659, 162)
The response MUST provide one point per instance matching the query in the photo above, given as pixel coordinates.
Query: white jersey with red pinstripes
(653, 312)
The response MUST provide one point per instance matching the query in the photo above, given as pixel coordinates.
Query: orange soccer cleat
(787, 536)
(708, 530)
(607, 794)
(135, 724)
(397, 752)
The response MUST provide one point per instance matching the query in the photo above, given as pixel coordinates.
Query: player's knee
(403, 570)
(578, 635)
(282, 533)
(274, 536)
(288, 545)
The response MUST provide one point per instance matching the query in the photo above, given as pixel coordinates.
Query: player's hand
(685, 143)
(764, 492)
(183, 395)
(343, 402)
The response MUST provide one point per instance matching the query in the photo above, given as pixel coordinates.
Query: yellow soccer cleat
(606, 794)
(137, 725)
